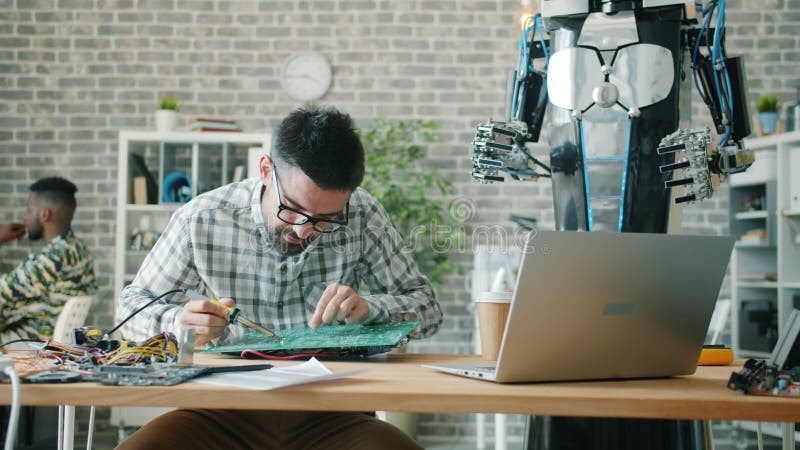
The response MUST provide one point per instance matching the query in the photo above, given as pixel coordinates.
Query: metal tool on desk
(235, 315)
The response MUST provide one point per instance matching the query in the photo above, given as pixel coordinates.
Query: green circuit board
(325, 337)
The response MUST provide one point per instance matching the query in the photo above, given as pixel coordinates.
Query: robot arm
(720, 82)
(500, 146)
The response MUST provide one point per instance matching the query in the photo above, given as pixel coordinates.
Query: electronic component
(334, 340)
(761, 378)
(54, 377)
(780, 376)
(158, 374)
(93, 337)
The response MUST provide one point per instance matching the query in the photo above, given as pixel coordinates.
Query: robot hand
(500, 146)
(703, 163)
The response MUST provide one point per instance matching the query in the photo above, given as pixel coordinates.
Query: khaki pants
(243, 429)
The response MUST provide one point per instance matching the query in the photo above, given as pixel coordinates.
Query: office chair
(74, 314)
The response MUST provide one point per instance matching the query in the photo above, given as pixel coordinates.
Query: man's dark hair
(55, 190)
(323, 143)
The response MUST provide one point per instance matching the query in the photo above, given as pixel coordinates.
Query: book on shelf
(216, 130)
(138, 169)
(205, 119)
(758, 276)
(139, 190)
(205, 124)
(756, 235)
(225, 126)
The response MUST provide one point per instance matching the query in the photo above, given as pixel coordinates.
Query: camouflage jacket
(34, 293)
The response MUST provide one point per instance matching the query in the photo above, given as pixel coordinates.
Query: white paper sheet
(311, 371)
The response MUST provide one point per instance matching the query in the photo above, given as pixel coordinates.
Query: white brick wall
(74, 72)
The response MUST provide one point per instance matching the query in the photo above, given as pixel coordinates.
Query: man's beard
(290, 248)
(36, 231)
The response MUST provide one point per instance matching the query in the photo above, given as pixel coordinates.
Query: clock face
(306, 76)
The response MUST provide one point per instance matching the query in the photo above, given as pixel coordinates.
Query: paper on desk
(311, 371)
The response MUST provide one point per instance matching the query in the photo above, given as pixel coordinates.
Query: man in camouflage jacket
(33, 294)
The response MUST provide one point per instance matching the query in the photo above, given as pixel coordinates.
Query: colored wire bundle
(719, 71)
(532, 25)
(66, 354)
(159, 348)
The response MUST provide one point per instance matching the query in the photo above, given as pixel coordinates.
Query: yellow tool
(234, 315)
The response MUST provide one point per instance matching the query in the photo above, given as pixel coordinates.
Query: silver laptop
(607, 305)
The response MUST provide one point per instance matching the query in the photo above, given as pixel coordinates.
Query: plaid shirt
(221, 238)
(33, 295)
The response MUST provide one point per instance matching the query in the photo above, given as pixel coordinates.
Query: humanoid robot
(614, 78)
(615, 87)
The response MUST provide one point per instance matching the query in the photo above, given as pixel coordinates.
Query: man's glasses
(295, 217)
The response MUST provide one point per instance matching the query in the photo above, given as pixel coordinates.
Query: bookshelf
(206, 160)
(765, 266)
(765, 273)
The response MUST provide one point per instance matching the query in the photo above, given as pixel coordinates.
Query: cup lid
(489, 296)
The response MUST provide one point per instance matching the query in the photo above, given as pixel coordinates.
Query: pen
(234, 315)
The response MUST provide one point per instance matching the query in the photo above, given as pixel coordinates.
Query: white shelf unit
(208, 159)
(777, 259)
(765, 275)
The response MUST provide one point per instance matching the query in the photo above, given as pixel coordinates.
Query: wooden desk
(398, 383)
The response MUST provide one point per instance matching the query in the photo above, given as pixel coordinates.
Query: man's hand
(207, 319)
(339, 302)
(11, 232)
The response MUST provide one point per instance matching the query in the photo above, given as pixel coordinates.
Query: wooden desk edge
(399, 383)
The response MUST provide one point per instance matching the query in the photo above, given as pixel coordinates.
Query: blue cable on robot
(615, 91)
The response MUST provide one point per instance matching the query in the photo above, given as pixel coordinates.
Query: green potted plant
(167, 115)
(415, 197)
(768, 106)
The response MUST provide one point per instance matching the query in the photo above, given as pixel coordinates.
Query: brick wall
(75, 72)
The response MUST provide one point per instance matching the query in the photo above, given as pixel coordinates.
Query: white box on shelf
(763, 169)
(794, 179)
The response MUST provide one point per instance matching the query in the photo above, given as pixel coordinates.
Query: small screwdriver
(234, 315)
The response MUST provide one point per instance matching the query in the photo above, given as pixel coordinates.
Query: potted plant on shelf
(767, 107)
(167, 115)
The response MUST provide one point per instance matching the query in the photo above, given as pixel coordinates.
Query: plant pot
(165, 120)
(768, 122)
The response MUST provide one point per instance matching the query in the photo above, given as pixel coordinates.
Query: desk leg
(500, 441)
(788, 435)
(69, 426)
(480, 430)
(708, 435)
(60, 427)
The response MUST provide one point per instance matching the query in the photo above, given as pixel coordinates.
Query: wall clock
(306, 76)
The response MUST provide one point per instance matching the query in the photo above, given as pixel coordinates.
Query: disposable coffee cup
(492, 316)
